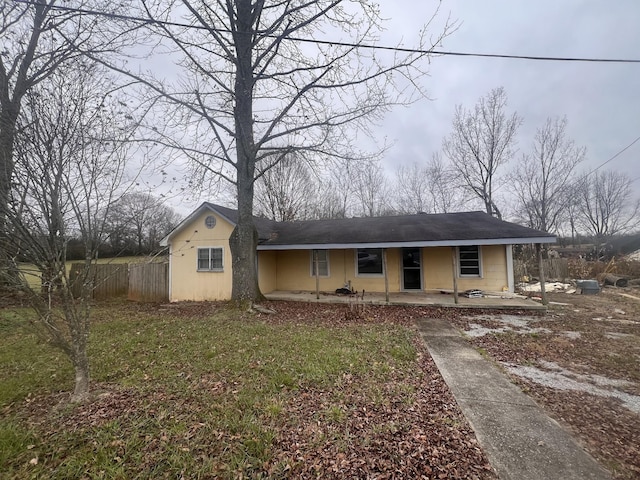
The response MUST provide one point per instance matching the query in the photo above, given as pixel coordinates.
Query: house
(377, 254)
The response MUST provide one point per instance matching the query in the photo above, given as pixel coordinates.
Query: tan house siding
(187, 283)
(438, 269)
(294, 272)
(494, 268)
(267, 271)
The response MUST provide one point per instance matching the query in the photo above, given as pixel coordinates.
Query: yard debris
(261, 309)
(588, 287)
(615, 280)
(473, 293)
(548, 287)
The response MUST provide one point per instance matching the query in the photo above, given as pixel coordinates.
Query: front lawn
(198, 391)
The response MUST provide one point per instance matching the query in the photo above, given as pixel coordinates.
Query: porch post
(386, 274)
(454, 261)
(543, 291)
(315, 264)
(510, 280)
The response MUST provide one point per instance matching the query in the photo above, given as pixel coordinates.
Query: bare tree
(260, 82)
(286, 192)
(541, 181)
(412, 189)
(446, 190)
(371, 190)
(37, 38)
(69, 167)
(137, 222)
(607, 205)
(431, 188)
(481, 142)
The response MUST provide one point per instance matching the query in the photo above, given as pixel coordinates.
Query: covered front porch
(434, 299)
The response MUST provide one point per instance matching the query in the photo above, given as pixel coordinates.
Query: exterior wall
(438, 269)
(293, 272)
(267, 271)
(187, 283)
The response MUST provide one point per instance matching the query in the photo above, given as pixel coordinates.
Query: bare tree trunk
(7, 137)
(81, 368)
(244, 239)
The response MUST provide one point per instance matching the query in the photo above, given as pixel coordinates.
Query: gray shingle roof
(420, 229)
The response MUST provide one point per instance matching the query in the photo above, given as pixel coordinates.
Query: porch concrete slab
(520, 440)
(411, 299)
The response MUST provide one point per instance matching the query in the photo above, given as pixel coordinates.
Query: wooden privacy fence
(554, 269)
(149, 282)
(144, 282)
(109, 280)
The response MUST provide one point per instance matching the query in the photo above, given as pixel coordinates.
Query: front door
(411, 269)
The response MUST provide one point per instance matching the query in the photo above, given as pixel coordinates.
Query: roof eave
(423, 243)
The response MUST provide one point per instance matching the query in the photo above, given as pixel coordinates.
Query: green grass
(198, 397)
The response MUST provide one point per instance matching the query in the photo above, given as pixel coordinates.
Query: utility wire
(614, 157)
(150, 21)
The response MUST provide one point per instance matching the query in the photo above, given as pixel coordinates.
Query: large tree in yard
(481, 142)
(263, 80)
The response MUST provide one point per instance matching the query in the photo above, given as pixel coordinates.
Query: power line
(614, 157)
(150, 21)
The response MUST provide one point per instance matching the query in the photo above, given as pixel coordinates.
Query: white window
(323, 263)
(369, 261)
(469, 261)
(210, 259)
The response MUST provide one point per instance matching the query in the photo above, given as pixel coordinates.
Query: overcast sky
(601, 100)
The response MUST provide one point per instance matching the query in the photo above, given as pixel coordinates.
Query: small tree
(70, 160)
(542, 180)
(482, 141)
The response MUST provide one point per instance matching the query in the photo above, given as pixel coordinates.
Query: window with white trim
(369, 261)
(323, 263)
(469, 263)
(210, 259)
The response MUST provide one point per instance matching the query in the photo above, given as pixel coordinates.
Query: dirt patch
(581, 361)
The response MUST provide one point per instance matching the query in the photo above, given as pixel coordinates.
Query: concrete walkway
(520, 440)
